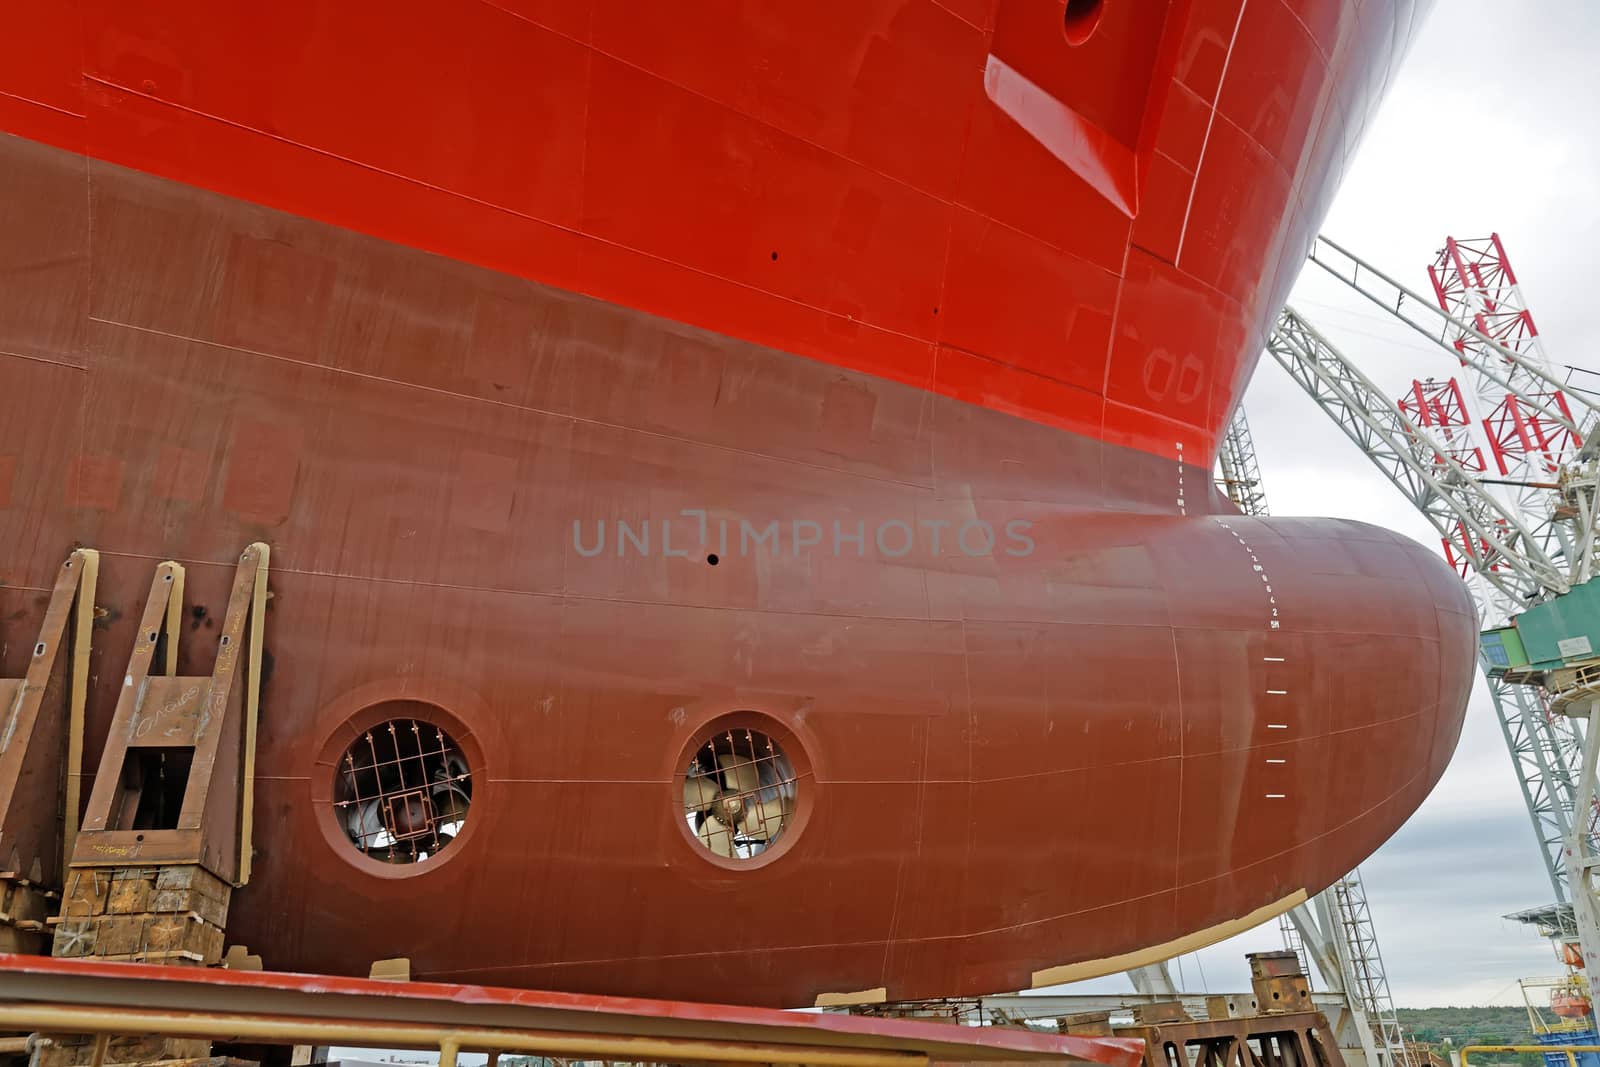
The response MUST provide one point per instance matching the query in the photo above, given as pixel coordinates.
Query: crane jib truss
(1415, 460)
(1439, 326)
(1524, 539)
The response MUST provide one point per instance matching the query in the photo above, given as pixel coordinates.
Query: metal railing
(1571, 1051)
(448, 1042)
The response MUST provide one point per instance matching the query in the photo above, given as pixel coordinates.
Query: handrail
(448, 1041)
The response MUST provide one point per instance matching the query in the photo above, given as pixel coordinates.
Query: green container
(1564, 630)
(1502, 649)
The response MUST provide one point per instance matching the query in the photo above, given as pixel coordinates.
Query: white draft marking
(1259, 569)
(1182, 508)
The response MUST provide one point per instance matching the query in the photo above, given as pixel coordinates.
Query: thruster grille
(739, 793)
(403, 791)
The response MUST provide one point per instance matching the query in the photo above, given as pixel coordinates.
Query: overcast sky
(1493, 124)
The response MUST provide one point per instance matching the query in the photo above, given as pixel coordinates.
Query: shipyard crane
(1524, 533)
(1238, 473)
(1334, 930)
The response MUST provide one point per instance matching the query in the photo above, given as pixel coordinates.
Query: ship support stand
(166, 835)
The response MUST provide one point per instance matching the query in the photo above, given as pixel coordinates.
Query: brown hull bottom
(1147, 722)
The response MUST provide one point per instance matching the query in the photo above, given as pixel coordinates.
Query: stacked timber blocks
(77, 1050)
(171, 914)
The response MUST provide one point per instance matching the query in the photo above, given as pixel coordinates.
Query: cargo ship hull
(745, 416)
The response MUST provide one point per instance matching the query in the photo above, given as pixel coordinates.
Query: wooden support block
(87, 893)
(130, 891)
(74, 938)
(187, 877)
(19, 901)
(21, 942)
(188, 888)
(165, 959)
(77, 1050)
(151, 937)
(238, 958)
(119, 935)
(1087, 1023)
(393, 970)
(155, 1049)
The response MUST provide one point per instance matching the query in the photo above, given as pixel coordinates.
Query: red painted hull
(409, 293)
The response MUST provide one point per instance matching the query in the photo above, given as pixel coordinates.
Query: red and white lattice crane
(1520, 520)
(1473, 282)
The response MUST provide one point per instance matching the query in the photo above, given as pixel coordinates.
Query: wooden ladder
(166, 836)
(41, 752)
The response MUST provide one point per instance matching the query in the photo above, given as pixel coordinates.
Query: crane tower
(1515, 512)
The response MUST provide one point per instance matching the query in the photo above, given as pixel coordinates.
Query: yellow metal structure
(1570, 1051)
(105, 1010)
(449, 1043)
